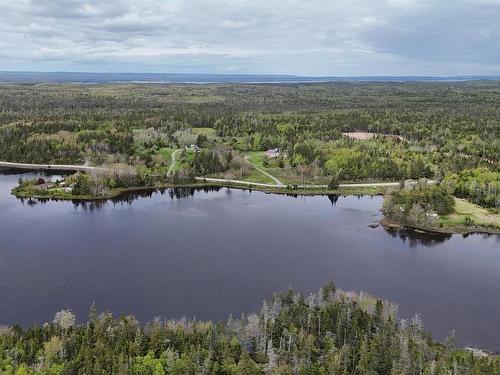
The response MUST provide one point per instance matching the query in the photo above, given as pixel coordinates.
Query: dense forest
(434, 128)
(330, 332)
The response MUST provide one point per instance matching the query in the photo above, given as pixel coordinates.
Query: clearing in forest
(363, 136)
(478, 214)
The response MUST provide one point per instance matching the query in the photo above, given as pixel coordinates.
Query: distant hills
(79, 77)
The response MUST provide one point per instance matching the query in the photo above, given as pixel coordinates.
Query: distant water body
(162, 78)
(214, 252)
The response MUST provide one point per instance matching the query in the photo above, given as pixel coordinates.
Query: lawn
(256, 158)
(209, 132)
(479, 215)
(166, 153)
(186, 156)
(286, 176)
(256, 176)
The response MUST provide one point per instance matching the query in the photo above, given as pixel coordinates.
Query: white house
(273, 153)
(192, 147)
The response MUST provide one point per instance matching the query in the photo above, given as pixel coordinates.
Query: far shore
(115, 193)
(372, 188)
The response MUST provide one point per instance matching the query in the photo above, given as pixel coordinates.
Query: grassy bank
(468, 215)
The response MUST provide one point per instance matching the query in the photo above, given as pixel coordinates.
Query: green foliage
(148, 365)
(468, 221)
(481, 186)
(201, 140)
(447, 127)
(330, 332)
(82, 184)
(247, 366)
(334, 182)
(418, 204)
(208, 162)
(344, 161)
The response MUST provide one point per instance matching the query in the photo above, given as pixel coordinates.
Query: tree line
(329, 332)
(441, 128)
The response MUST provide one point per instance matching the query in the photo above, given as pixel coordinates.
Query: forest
(328, 332)
(291, 135)
(421, 130)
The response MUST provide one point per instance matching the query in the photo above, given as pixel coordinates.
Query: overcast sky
(316, 37)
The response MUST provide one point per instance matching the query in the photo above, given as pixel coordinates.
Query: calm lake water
(208, 254)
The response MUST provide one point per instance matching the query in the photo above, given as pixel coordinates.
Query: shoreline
(115, 193)
(385, 222)
(391, 224)
(370, 189)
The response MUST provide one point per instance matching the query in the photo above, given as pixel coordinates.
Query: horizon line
(260, 74)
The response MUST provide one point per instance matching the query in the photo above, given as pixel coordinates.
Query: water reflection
(33, 172)
(334, 198)
(128, 197)
(412, 237)
(416, 238)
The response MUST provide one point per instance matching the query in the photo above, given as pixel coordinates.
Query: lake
(208, 254)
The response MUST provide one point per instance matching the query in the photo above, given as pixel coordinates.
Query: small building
(193, 147)
(44, 186)
(273, 153)
(363, 136)
(478, 352)
(409, 184)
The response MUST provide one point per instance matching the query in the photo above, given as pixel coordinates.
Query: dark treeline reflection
(333, 198)
(128, 197)
(416, 238)
(428, 239)
(174, 193)
(4, 171)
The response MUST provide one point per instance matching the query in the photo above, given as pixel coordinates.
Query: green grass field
(256, 176)
(284, 175)
(477, 214)
(185, 156)
(166, 153)
(209, 132)
(256, 158)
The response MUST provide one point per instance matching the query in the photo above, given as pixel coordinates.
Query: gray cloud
(315, 37)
